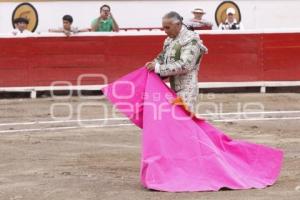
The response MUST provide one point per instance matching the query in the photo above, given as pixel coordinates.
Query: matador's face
(171, 28)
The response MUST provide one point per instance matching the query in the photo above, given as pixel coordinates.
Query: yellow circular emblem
(220, 14)
(26, 10)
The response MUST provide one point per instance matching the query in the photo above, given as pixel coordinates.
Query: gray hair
(174, 16)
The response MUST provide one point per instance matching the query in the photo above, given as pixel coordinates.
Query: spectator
(21, 27)
(106, 21)
(230, 22)
(198, 22)
(67, 28)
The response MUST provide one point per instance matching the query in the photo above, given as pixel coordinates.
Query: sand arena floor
(60, 149)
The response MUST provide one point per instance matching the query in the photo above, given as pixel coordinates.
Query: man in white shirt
(198, 22)
(231, 23)
(67, 28)
(21, 27)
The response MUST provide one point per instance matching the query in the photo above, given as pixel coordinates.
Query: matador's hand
(150, 66)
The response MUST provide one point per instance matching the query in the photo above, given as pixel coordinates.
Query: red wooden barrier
(232, 57)
(281, 57)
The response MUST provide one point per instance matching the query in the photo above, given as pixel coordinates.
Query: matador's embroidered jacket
(180, 60)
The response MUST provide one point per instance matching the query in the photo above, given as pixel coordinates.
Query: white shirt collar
(234, 21)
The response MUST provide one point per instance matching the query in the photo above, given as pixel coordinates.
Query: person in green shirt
(106, 21)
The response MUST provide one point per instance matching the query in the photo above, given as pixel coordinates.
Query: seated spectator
(230, 22)
(105, 22)
(198, 22)
(67, 28)
(21, 27)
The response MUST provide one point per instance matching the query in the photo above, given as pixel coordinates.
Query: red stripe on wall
(231, 57)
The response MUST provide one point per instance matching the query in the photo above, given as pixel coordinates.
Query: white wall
(255, 14)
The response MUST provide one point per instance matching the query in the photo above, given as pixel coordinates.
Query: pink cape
(187, 155)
